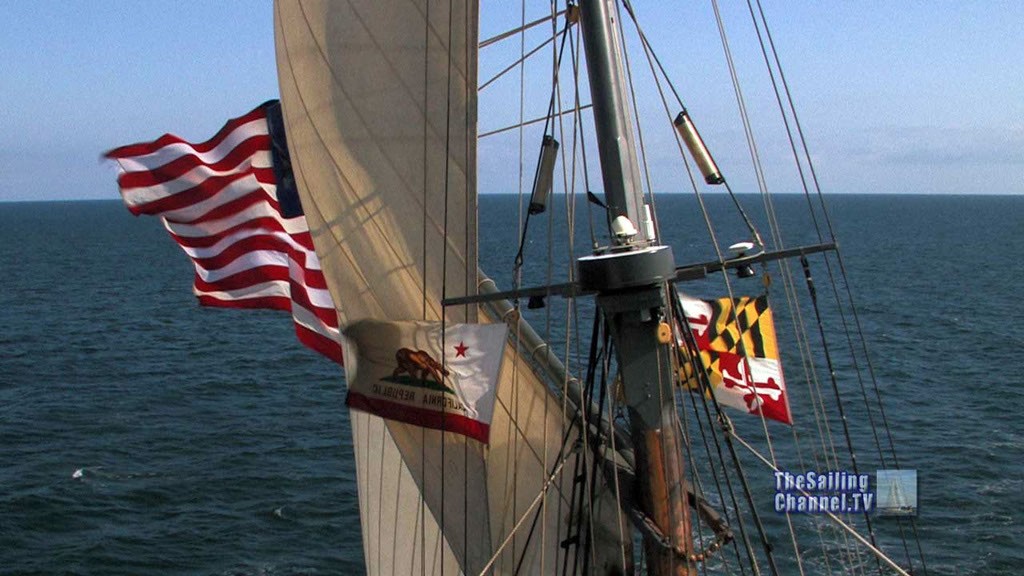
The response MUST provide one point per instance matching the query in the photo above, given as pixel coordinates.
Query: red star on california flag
(460, 350)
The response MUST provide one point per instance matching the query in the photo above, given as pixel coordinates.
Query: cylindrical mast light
(545, 175)
(705, 163)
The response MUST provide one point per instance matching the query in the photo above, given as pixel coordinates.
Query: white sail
(379, 101)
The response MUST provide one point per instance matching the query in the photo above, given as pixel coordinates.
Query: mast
(631, 283)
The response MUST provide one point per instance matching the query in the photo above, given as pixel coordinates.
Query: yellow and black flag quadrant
(739, 353)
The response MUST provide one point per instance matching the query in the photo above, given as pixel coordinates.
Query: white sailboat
(896, 503)
(380, 107)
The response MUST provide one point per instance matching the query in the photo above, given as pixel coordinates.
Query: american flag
(231, 204)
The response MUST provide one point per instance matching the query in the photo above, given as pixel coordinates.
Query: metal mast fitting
(630, 280)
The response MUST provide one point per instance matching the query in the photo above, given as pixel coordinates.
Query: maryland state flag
(417, 373)
(739, 352)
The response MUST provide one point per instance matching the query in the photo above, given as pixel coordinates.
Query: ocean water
(141, 434)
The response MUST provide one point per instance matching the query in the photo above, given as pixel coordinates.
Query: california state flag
(738, 350)
(417, 373)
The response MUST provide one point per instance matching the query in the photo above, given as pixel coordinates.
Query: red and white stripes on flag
(220, 202)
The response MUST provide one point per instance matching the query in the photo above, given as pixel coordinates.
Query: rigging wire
(549, 280)
(725, 424)
(842, 267)
(423, 431)
(520, 29)
(578, 121)
(834, 380)
(626, 566)
(444, 255)
(578, 498)
(586, 495)
(803, 179)
(515, 279)
(470, 265)
(555, 89)
(533, 121)
(519, 62)
(548, 482)
(762, 184)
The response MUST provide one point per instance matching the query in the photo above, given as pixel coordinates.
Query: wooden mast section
(630, 279)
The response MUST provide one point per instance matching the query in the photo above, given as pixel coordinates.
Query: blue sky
(918, 97)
